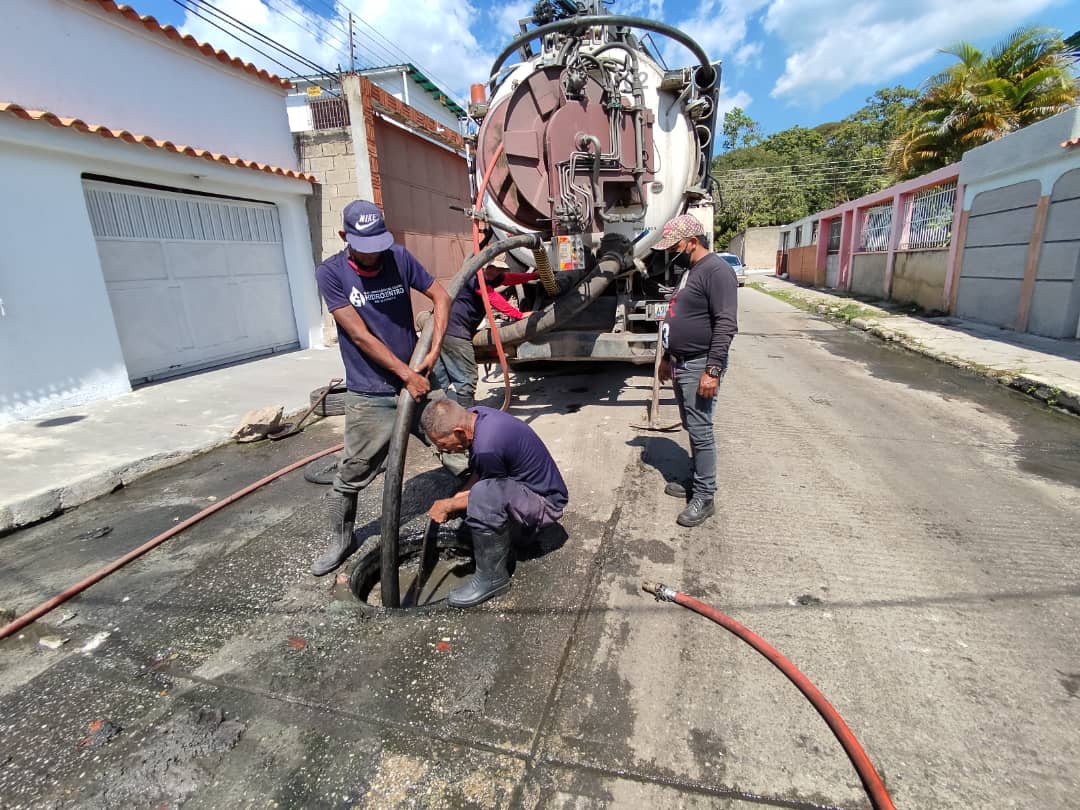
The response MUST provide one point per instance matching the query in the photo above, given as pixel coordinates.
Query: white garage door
(194, 281)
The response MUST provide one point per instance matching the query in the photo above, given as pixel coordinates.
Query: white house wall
(58, 340)
(74, 59)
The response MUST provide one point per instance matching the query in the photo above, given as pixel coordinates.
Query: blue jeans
(696, 414)
(456, 367)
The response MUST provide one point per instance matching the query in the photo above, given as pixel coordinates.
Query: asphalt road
(908, 535)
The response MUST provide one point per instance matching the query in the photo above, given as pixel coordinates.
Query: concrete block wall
(868, 274)
(919, 277)
(995, 252)
(327, 154)
(1055, 303)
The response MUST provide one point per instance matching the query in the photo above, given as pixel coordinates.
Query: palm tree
(984, 96)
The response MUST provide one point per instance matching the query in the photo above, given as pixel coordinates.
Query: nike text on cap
(365, 230)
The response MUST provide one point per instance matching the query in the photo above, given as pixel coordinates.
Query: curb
(1029, 385)
(48, 504)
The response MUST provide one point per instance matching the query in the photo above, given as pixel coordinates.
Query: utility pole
(352, 46)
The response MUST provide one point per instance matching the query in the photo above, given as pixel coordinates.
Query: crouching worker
(513, 482)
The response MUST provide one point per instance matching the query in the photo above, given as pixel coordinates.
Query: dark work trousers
(696, 414)
(369, 422)
(495, 502)
(456, 368)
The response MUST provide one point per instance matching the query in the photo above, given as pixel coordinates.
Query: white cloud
(835, 45)
(433, 34)
(506, 21)
(720, 27)
(726, 103)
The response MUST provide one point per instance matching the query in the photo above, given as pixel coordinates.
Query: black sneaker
(696, 512)
(677, 489)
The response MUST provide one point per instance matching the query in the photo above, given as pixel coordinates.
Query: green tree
(984, 96)
(740, 129)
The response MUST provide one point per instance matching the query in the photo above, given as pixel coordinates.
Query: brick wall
(327, 154)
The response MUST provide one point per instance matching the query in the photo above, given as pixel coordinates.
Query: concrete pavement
(1044, 368)
(905, 533)
(51, 464)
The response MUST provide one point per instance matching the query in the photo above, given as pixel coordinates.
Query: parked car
(736, 265)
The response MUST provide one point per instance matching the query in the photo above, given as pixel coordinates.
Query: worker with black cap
(367, 289)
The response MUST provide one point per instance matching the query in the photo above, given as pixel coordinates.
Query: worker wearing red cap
(696, 336)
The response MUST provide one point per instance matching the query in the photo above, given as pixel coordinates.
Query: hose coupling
(663, 593)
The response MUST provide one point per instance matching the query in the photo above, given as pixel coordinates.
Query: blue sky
(786, 62)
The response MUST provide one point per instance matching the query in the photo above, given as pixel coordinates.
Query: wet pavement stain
(1070, 681)
(1049, 441)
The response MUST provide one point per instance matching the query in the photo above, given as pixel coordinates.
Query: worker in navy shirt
(456, 369)
(367, 289)
(513, 480)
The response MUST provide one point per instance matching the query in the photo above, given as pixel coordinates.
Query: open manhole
(454, 565)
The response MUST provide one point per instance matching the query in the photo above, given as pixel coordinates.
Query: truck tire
(333, 405)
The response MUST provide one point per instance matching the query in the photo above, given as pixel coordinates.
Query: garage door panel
(151, 327)
(195, 281)
(254, 259)
(266, 311)
(131, 261)
(212, 314)
(196, 259)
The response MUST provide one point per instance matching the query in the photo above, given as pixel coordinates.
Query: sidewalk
(56, 462)
(1044, 368)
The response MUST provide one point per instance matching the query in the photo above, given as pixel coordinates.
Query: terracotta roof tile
(154, 143)
(1070, 142)
(151, 24)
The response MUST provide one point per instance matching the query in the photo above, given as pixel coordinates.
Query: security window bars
(931, 218)
(876, 229)
(329, 113)
(834, 236)
(814, 231)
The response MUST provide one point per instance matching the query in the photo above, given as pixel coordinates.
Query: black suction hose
(612, 263)
(406, 410)
(705, 76)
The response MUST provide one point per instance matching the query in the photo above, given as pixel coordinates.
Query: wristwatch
(713, 371)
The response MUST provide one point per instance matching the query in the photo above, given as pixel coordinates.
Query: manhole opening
(454, 565)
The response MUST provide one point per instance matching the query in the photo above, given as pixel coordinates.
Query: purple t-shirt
(505, 447)
(382, 299)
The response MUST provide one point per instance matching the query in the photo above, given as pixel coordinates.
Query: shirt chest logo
(361, 298)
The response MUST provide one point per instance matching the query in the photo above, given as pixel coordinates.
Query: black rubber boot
(492, 578)
(696, 512)
(342, 518)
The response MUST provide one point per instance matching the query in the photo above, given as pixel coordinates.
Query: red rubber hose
(875, 789)
(483, 282)
(115, 565)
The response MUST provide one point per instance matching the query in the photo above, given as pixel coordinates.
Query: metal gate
(420, 181)
(194, 281)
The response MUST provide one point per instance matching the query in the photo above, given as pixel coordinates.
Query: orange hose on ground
(483, 282)
(101, 573)
(872, 783)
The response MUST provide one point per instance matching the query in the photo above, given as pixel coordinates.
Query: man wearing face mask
(367, 289)
(696, 336)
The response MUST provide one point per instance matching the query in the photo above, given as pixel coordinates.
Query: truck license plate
(657, 312)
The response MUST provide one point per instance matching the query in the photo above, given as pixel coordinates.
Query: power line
(286, 52)
(823, 165)
(327, 38)
(242, 26)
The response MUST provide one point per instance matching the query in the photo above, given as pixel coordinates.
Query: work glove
(616, 247)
